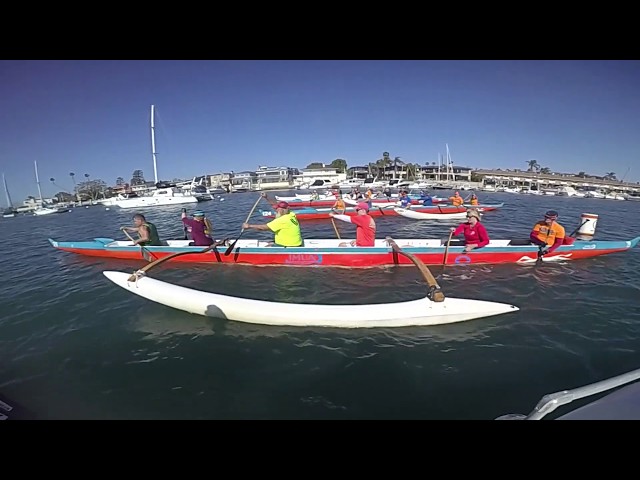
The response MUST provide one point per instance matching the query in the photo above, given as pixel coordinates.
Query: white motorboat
(163, 196)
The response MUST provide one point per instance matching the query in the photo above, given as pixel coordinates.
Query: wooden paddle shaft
(436, 293)
(230, 247)
(146, 254)
(173, 255)
(335, 228)
(446, 251)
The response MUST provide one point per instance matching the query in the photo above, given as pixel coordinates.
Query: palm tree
(610, 176)
(545, 170)
(533, 165)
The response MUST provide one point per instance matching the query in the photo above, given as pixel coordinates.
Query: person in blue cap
(201, 228)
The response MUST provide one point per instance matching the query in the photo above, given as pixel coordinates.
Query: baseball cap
(362, 206)
(473, 213)
(552, 214)
(282, 204)
(198, 213)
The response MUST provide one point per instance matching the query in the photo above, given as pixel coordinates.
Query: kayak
(421, 312)
(429, 216)
(339, 253)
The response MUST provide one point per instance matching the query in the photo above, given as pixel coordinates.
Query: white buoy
(107, 208)
(588, 223)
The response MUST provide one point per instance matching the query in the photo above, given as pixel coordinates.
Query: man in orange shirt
(457, 200)
(548, 234)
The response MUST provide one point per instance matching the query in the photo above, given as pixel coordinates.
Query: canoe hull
(420, 312)
(329, 253)
(306, 213)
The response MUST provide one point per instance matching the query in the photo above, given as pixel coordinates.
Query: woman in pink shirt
(475, 235)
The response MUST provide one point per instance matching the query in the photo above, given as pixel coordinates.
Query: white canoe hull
(429, 216)
(422, 312)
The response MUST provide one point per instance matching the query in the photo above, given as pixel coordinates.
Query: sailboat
(9, 211)
(161, 196)
(42, 210)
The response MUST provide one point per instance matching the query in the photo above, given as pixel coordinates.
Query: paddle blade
(230, 248)
(146, 254)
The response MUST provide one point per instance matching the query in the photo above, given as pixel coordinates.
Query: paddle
(230, 248)
(184, 210)
(434, 293)
(146, 254)
(446, 251)
(146, 268)
(335, 228)
(576, 230)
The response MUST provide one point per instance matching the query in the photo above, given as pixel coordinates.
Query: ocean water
(75, 346)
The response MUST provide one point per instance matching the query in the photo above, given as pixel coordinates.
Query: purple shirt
(197, 232)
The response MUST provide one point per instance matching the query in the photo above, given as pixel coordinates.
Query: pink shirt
(477, 234)
(365, 231)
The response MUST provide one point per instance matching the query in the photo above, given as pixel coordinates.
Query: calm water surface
(75, 346)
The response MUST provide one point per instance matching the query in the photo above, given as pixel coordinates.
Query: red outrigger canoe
(339, 253)
(379, 211)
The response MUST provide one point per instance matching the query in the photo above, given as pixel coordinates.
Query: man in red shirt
(365, 225)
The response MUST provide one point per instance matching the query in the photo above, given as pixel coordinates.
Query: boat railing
(551, 401)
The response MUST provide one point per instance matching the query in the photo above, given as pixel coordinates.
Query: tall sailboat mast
(153, 148)
(38, 182)
(6, 191)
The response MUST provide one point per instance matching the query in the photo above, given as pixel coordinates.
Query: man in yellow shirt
(285, 226)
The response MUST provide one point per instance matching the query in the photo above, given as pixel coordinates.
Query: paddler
(285, 226)
(365, 225)
(147, 231)
(457, 200)
(548, 234)
(201, 228)
(475, 235)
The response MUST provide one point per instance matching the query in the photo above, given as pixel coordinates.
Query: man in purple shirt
(201, 230)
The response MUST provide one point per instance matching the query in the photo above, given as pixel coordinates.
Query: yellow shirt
(287, 230)
(457, 201)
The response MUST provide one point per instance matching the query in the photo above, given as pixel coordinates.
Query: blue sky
(213, 116)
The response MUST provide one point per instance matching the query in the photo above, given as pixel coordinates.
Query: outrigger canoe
(419, 312)
(339, 253)
(303, 214)
(414, 215)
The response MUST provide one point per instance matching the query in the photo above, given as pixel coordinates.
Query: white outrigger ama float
(421, 312)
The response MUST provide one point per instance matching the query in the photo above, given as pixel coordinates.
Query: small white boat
(162, 196)
(422, 312)
(429, 216)
(49, 210)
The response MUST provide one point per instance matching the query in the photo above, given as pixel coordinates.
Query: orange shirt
(474, 201)
(548, 234)
(339, 205)
(457, 201)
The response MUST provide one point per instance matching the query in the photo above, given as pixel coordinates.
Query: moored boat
(339, 253)
(419, 312)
